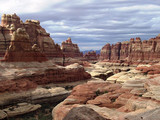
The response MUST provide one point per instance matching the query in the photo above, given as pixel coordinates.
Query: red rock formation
(91, 56)
(37, 34)
(16, 85)
(136, 53)
(154, 69)
(133, 51)
(115, 51)
(110, 100)
(70, 50)
(124, 51)
(45, 73)
(20, 49)
(106, 52)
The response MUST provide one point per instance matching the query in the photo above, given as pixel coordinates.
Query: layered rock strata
(70, 49)
(37, 34)
(20, 49)
(133, 50)
(90, 56)
(19, 76)
(111, 101)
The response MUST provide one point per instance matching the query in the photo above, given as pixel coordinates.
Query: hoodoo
(70, 49)
(134, 50)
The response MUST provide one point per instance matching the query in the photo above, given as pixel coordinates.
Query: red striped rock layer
(91, 56)
(34, 74)
(133, 50)
(37, 34)
(70, 49)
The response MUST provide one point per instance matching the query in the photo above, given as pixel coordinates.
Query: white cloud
(59, 34)
(50, 23)
(145, 7)
(26, 6)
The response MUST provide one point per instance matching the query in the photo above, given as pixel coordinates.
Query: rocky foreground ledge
(35, 82)
(23, 76)
(130, 94)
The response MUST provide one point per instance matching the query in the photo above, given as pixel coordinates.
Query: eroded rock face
(106, 52)
(20, 49)
(151, 70)
(37, 34)
(133, 51)
(27, 75)
(70, 49)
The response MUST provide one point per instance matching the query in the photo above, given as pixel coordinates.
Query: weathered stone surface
(134, 51)
(21, 109)
(37, 35)
(148, 115)
(109, 100)
(151, 70)
(122, 77)
(38, 95)
(69, 61)
(20, 49)
(70, 49)
(83, 113)
(106, 52)
(24, 76)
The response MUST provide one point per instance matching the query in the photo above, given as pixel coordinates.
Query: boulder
(83, 113)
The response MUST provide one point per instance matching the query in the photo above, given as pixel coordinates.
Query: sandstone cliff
(37, 34)
(134, 50)
(21, 50)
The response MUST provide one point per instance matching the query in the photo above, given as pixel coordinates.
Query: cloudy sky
(90, 23)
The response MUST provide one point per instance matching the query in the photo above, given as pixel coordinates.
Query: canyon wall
(37, 35)
(21, 50)
(134, 50)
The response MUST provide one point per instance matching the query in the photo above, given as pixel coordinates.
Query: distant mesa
(91, 56)
(133, 51)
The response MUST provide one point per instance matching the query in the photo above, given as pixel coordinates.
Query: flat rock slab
(21, 109)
